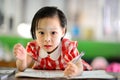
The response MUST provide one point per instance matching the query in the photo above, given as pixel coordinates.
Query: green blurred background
(109, 50)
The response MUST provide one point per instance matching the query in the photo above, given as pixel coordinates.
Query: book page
(59, 74)
(101, 74)
(41, 73)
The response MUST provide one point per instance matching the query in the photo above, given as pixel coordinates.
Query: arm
(22, 65)
(23, 60)
(71, 53)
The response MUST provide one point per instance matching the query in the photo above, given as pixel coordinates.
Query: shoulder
(67, 43)
(69, 49)
(32, 49)
(32, 43)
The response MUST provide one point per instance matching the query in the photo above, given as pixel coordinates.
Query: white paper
(40, 73)
(101, 74)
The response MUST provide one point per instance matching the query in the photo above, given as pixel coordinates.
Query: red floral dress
(67, 52)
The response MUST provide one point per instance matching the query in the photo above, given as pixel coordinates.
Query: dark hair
(47, 12)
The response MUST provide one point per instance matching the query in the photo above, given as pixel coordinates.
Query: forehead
(49, 21)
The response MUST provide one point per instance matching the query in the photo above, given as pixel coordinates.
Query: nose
(47, 38)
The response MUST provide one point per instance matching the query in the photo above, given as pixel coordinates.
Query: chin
(48, 50)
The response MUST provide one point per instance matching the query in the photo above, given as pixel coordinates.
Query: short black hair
(47, 12)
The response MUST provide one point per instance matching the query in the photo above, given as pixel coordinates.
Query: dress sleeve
(31, 49)
(70, 50)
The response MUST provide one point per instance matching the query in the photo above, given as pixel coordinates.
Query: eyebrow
(39, 28)
(44, 28)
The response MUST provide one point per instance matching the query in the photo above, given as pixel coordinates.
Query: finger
(17, 45)
(68, 70)
(67, 73)
(15, 53)
(18, 53)
(71, 70)
(22, 49)
(20, 56)
(69, 63)
(70, 67)
(16, 50)
(71, 73)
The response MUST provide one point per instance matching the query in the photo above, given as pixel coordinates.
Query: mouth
(47, 46)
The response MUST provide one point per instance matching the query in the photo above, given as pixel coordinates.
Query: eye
(41, 32)
(53, 33)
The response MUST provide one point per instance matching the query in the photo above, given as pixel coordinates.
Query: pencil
(80, 55)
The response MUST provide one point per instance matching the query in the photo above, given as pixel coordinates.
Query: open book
(101, 74)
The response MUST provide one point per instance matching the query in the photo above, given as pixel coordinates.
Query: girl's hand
(19, 52)
(71, 70)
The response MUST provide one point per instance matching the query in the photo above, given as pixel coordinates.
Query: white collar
(54, 55)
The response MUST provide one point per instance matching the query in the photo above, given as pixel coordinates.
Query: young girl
(50, 50)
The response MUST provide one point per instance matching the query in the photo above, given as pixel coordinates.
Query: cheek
(39, 41)
(56, 40)
(39, 37)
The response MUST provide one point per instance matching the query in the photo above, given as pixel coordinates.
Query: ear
(63, 32)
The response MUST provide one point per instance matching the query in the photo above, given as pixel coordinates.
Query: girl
(49, 50)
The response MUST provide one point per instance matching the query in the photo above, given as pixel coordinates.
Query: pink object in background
(99, 63)
(113, 67)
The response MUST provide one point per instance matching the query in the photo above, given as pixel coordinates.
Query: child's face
(49, 33)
